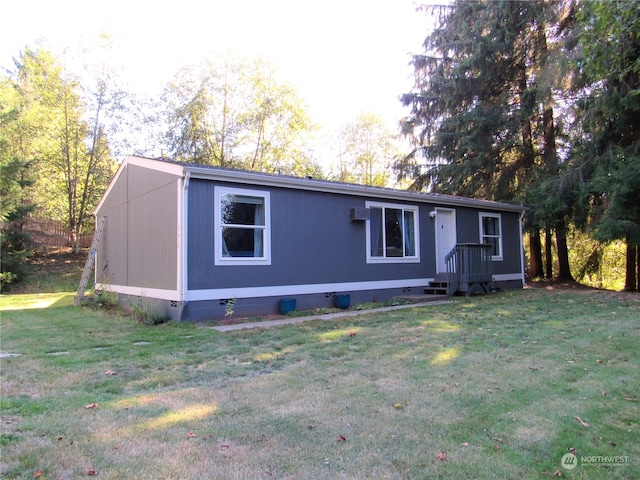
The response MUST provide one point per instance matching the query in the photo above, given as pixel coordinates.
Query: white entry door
(445, 235)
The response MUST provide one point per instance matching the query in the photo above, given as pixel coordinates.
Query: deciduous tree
(605, 160)
(367, 149)
(67, 140)
(233, 112)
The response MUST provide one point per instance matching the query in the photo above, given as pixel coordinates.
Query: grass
(495, 382)
(53, 271)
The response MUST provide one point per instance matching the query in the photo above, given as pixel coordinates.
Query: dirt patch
(60, 260)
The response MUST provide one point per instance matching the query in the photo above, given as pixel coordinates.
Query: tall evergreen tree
(16, 177)
(482, 109)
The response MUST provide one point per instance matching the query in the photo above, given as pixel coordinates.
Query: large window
(392, 235)
(242, 225)
(491, 233)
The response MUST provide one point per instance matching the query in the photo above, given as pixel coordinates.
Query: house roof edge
(300, 183)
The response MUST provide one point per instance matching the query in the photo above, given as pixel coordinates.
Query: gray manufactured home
(196, 240)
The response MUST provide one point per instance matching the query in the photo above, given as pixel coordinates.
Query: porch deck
(469, 265)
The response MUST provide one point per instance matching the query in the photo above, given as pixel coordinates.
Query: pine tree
(482, 109)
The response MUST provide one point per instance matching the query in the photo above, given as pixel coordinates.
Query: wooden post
(91, 258)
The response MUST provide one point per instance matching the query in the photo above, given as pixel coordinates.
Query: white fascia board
(106, 193)
(158, 293)
(257, 178)
(149, 163)
(157, 165)
(276, 290)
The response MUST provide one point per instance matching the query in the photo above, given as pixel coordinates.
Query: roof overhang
(310, 184)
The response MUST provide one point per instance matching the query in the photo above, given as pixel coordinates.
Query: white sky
(343, 57)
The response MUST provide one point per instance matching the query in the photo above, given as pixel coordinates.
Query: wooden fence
(48, 233)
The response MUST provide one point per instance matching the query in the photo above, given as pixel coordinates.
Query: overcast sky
(343, 57)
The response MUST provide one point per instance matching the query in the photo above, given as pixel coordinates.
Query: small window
(242, 223)
(491, 233)
(392, 233)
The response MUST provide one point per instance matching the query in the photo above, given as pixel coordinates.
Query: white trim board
(278, 290)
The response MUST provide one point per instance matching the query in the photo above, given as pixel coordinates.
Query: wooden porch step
(435, 290)
(437, 286)
(440, 277)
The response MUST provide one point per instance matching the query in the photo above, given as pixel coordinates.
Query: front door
(445, 235)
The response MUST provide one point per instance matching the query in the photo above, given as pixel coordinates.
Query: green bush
(13, 258)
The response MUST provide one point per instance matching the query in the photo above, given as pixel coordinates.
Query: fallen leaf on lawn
(352, 334)
(341, 438)
(581, 421)
(557, 473)
(110, 372)
(398, 405)
(91, 405)
(489, 390)
(224, 446)
(496, 447)
(311, 427)
(442, 456)
(629, 398)
(60, 439)
(191, 435)
(39, 473)
(92, 473)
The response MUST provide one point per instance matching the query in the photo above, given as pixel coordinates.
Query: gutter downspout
(183, 247)
(524, 279)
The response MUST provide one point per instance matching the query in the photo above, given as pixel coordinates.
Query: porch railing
(468, 264)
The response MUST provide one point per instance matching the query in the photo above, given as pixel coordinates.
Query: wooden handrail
(468, 263)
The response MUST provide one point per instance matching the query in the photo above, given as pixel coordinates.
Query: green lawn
(488, 387)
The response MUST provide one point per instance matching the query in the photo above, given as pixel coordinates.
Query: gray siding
(314, 244)
(468, 231)
(111, 257)
(139, 246)
(313, 241)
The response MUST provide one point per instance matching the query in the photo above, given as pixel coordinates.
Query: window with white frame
(392, 233)
(242, 227)
(491, 233)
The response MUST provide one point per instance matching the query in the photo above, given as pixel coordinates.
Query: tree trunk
(535, 255)
(564, 271)
(548, 253)
(631, 277)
